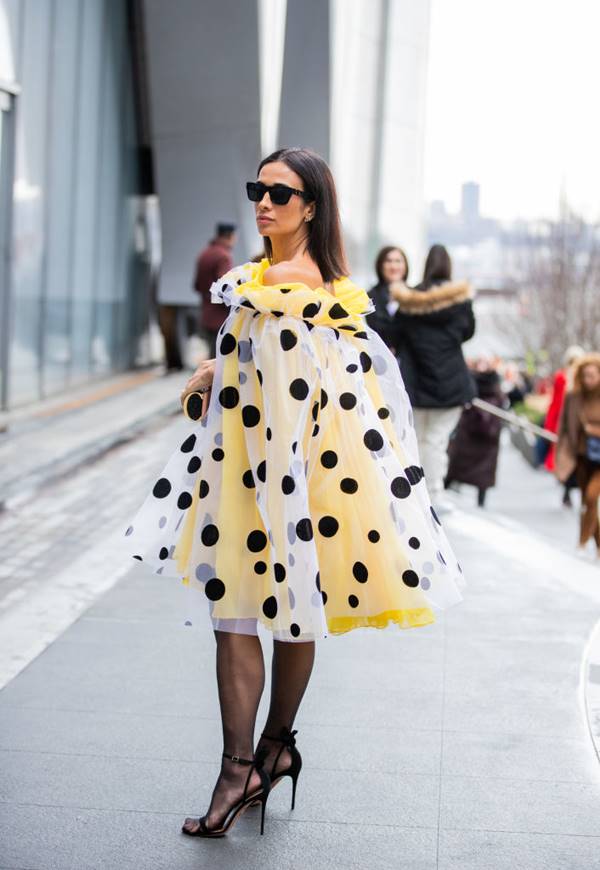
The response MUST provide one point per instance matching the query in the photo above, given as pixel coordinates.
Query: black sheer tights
(241, 679)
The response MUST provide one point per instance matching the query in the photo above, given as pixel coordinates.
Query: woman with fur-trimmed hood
(431, 324)
(579, 442)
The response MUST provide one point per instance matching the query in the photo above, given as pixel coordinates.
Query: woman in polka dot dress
(298, 501)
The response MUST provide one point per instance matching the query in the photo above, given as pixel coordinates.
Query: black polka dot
(304, 529)
(299, 389)
(256, 541)
(164, 553)
(315, 430)
(288, 339)
(184, 501)
(435, 516)
(413, 473)
(260, 567)
(360, 572)
(217, 454)
(214, 589)
(295, 629)
(250, 416)
(410, 578)
(229, 397)
(280, 572)
(315, 411)
(209, 535)
(347, 401)
(324, 399)
(228, 343)
(414, 543)
(365, 361)
(361, 334)
(311, 310)
(349, 485)
(373, 536)
(383, 413)
(353, 601)
(194, 464)
(193, 406)
(204, 489)
(248, 479)
(261, 471)
(336, 312)
(259, 376)
(162, 488)
(328, 526)
(352, 368)
(287, 484)
(268, 433)
(400, 487)
(324, 597)
(373, 439)
(329, 459)
(139, 558)
(188, 444)
(285, 289)
(270, 607)
(294, 445)
(277, 313)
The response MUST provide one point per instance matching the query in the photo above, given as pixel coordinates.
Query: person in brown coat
(213, 262)
(578, 447)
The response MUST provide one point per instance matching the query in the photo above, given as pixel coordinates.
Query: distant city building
(470, 202)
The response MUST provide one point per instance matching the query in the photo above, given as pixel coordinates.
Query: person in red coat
(559, 388)
(212, 263)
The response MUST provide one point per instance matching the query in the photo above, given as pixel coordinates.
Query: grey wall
(205, 111)
(306, 84)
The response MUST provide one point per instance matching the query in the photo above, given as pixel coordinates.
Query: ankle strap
(237, 759)
(287, 737)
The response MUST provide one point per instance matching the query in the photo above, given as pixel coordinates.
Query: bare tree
(557, 265)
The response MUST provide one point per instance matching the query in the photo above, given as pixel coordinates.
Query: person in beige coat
(579, 443)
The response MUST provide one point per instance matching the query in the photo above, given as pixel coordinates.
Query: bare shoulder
(290, 272)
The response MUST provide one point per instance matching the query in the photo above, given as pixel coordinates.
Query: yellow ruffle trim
(403, 618)
(344, 310)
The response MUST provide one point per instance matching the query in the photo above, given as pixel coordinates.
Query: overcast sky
(514, 103)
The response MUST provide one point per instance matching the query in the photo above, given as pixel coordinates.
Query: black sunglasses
(279, 194)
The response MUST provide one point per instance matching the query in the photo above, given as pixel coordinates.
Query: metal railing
(516, 420)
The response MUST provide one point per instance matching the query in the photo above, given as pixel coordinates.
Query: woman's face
(394, 267)
(590, 377)
(280, 220)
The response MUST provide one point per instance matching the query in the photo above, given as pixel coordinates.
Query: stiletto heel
(247, 800)
(288, 740)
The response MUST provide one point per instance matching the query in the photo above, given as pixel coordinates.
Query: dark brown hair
(325, 244)
(381, 258)
(438, 267)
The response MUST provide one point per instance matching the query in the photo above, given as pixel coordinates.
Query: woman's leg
(434, 427)
(589, 515)
(240, 679)
(290, 672)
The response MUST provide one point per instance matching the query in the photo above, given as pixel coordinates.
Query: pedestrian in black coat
(473, 449)
(428, 330)
(391, 268)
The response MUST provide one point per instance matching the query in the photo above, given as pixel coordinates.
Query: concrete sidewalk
(460, 746)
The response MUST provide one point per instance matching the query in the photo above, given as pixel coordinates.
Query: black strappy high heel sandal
(288, 740)
(247, 800)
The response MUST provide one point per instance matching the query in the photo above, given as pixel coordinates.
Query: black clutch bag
(193, 404)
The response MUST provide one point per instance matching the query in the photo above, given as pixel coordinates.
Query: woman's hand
(200, 381)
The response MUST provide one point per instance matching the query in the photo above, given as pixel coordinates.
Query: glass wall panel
(29, 202)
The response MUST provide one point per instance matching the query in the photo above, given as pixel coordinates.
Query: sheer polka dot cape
(298, 500)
